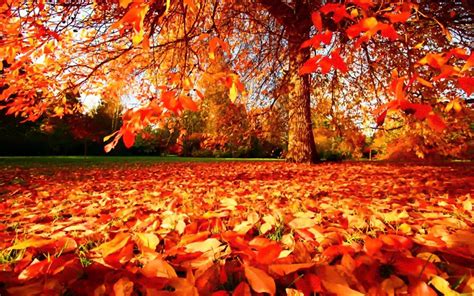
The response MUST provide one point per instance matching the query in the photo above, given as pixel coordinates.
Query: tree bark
(301, 145)
(297, 22)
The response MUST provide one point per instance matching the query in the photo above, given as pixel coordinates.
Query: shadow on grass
(34, 161)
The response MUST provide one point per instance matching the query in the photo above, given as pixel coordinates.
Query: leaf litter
(236, 228)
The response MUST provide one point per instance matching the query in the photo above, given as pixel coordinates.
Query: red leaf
(242, 289)
(338, 62)
(310, 65)
(466, 84)
(421, 110)
(128, 138)
(388, 31)
(317, 21)
(414, 267)
(325, 63)
(338, 10)
(364, 4)
(420, 288)
(381, 118)
(35, 269)
(259, 280)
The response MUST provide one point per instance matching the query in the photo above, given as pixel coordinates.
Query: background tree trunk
(301, 146)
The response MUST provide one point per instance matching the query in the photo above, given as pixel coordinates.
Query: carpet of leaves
(237, 228)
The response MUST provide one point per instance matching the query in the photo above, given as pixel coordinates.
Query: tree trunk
(301, 146)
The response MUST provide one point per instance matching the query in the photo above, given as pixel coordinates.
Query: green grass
(34, 161)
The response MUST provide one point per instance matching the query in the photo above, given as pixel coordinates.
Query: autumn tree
(155, 51)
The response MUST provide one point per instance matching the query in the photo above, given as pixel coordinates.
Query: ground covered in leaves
(237, 228)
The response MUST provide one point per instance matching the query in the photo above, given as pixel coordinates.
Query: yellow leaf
(456, 106)
(204, 246)
(233, 92)
(167, 6)
(147, 240)
(419, 45)
(138, 37)
(405, 228)
(429, 257)
(467, 205)
(391, 284)
(34, 242)
(293, 292)
(449, 106)
(354, 13)
(302, 222)
(124, 3)
(369, 23)
(442, 286)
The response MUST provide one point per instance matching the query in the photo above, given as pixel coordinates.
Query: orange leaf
(268, 254)
(396, 241)
(188, 103)
(169, 100)
(123, 287)
(369, 23)
(424, 82)
(119, 241)
(125, 3)
(398, 17)
(285, 269)
(436, 123)
(259, 280)
(372, 245)
(158, 268)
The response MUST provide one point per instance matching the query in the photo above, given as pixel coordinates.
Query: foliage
(406, 139)
(236, 228)
(367, 56)
(155, 140)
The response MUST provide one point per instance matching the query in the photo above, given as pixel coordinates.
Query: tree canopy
(365, 58)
